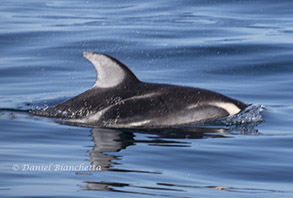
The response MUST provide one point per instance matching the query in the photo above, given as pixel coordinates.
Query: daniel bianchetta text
(55, 167)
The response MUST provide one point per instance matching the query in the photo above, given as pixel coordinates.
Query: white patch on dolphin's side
(95, 117)
(231, 108)
(148, 95)
(140, 123)
(109, 73)
(192, 106)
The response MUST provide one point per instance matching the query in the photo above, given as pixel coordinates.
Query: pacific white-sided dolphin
(119, 100)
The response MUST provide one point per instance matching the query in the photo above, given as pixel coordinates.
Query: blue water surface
(242, 49)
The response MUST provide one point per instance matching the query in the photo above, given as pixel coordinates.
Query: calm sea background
(242, 49)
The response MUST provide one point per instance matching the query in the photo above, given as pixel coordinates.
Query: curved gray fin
(110, 72)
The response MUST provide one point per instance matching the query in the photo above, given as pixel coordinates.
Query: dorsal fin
(110, 72)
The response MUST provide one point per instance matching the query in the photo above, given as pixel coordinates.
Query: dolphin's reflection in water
(108, 143)
(107, 140)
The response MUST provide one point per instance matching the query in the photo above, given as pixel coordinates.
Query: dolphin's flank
(119, 100)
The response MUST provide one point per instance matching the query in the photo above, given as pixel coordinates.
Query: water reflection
(171, 188)
(109, 142)
(117, 187)
(105, 141)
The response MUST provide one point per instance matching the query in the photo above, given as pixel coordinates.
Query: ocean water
(242, 49)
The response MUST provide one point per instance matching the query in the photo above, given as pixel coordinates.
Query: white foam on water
(250, 115)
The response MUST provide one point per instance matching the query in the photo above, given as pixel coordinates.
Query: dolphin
(119, 99)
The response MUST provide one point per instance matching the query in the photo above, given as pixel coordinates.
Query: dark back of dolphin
(119, 99)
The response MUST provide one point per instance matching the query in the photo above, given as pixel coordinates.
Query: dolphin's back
(119, 99)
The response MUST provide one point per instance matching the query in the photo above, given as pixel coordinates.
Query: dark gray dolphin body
(119, 99)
